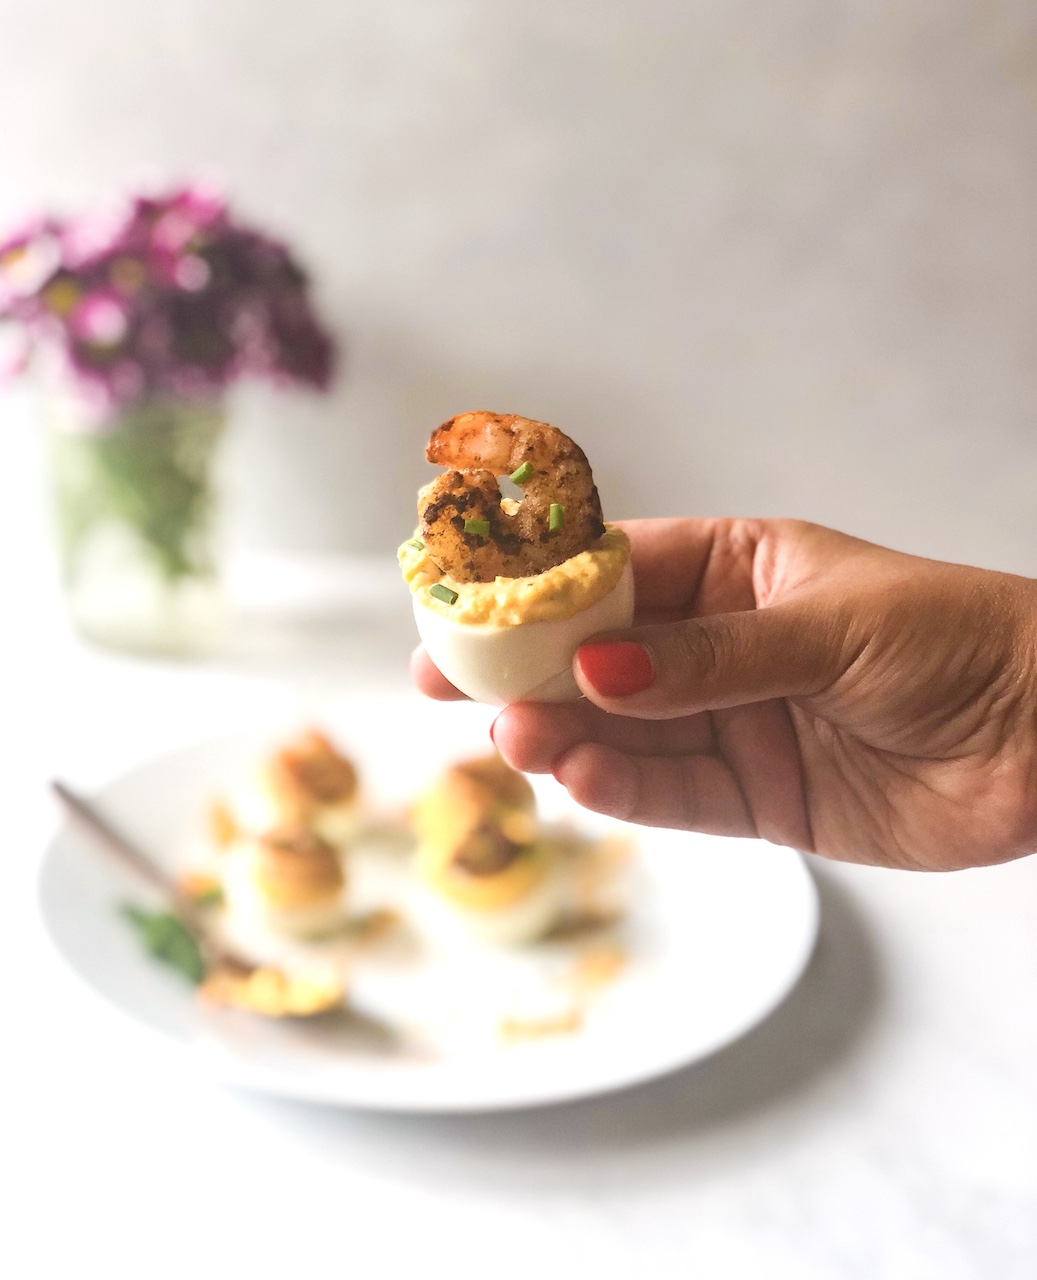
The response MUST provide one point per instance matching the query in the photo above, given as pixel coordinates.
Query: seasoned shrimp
(466, 529)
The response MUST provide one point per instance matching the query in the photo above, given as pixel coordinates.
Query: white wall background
(757, 257)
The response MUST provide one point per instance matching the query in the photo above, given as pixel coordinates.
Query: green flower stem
(148, 471)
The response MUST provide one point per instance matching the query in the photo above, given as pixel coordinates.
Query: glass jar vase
(135, 507)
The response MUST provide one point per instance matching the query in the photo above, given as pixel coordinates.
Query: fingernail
(492, 738)
(616, 668)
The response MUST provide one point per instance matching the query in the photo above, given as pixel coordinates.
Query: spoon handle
(116, 843)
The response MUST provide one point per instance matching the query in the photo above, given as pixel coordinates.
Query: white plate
(720, 933)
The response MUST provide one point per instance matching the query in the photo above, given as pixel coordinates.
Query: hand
(789, 682)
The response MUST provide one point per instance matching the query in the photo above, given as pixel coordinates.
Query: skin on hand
(811, 689)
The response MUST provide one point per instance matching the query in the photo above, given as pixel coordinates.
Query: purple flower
(167, 296)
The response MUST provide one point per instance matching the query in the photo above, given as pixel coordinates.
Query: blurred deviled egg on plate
(288, 882)
(478, 866)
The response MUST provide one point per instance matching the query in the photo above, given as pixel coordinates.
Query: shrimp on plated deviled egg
(506, 589)
(479, 867)
(308, 783)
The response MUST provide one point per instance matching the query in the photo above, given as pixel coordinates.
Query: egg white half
(532, 661)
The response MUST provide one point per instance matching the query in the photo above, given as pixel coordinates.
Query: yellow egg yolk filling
(561, 592)
(494, 892)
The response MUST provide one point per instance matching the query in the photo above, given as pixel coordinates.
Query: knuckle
(697, 654)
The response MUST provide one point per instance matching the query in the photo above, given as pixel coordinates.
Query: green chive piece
(556, 517)
(442, 593)
(168, 939)
(477, 526)
(417, 544)
(522, 474)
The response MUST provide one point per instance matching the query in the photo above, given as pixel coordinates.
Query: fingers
(759, 745)
(692, 793)
(736, 772)
(532, 736)
(430, 680)
(727, 660)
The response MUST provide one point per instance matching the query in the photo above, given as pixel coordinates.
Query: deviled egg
(289, 881)
(480, 866)
(505, 590)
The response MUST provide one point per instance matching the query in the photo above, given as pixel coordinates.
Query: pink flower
(100, 320)
(192, 273)
(85, 239)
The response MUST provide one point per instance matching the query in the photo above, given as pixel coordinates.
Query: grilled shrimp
(466, 529)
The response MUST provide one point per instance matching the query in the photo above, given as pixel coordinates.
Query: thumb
(700, 664)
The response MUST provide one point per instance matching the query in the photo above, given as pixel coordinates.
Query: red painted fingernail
(616, 668)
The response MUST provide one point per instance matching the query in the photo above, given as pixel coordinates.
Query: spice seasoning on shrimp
(558, 517)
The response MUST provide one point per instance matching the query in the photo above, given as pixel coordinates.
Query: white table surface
(883, 1124)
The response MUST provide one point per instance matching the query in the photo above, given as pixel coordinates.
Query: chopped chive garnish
(417, 544)
(168, 939)
(477, 526)
(522, 474)
(556, 517)
(442, 593)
